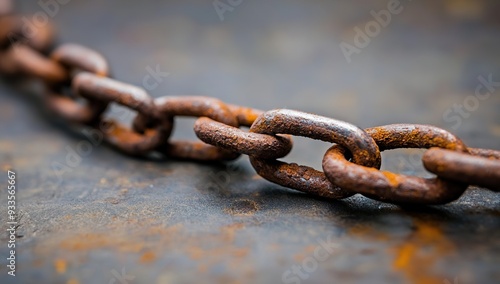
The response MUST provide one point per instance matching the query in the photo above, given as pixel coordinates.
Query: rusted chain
(6, 7)
(304, 178)
(79, 91)
(33, 64)
(245, 115)
(389, 187)
(107, 90)
(234, 139)
(13, 32)
(169, 107)
(76, 58)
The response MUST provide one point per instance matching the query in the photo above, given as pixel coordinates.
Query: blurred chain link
(79, 89)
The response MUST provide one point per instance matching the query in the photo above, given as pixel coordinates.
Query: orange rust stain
(495, 130)
(240, 252)
(243, 207)
(86, 242)
(60, 266)
(202, 268)
(274, 247)
(120, 241)
(308, 250)
(216, 249)
(6, 167)
(392, 178)
(73, 281)
(120, 133)
(403, 258)
(419, 254)
(363, 231)
(217, 253)
(196, 253)
(211, 249)
(37, 262)
(165, 231)
(228, 232)
(148, 257)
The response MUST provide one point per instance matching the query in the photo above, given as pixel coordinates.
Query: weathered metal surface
(171, 221)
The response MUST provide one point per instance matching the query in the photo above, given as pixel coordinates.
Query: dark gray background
(180, 222)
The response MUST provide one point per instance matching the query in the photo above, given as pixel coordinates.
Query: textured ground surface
(180, 222)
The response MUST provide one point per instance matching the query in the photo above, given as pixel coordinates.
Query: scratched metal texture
(182, 222)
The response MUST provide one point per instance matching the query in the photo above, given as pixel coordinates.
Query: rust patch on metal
(418, 255)
(242, 207)
(60, 266)
(148, 257)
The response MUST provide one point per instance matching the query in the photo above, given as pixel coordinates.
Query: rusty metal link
(13, 31)
(234, 139)
(303, 178)
(106, 90)
(6, 7)
(30, 62)
(350, 166)
(485, 153)
(76, 58)
(480, 167)
(16, 37)
(9, 28)
(169, 107)
(389, 187)
(245, 115)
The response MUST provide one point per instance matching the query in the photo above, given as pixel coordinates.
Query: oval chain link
(76, 58)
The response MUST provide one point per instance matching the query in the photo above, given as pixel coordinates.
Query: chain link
(76, 58)
(350, 166)
(390, 187)
(480, 167)
(304, 178)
